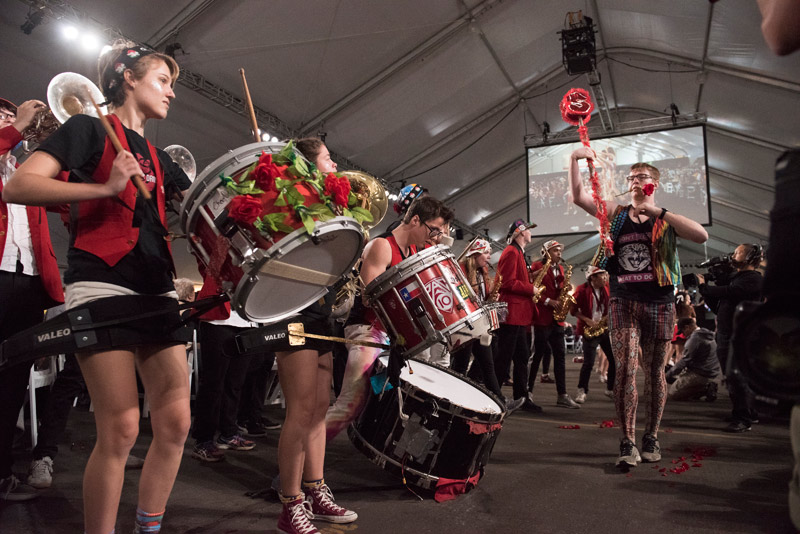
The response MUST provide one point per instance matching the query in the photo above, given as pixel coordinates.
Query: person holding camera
(744, 284)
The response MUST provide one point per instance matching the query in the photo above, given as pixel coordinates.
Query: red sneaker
(324, 508)
(294, 518)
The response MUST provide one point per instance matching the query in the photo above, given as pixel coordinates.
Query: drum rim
(494, 417)
(283, 247)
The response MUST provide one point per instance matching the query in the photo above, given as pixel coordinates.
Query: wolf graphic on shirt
(634, 257)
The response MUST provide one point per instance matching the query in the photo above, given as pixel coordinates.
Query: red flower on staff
(338, 188)
(244, 209)
(266, 172)
(648, 189)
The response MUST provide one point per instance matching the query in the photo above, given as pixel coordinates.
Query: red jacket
(584, 300)
(40, 231)
(516, 288)
(105, 227)
(552, 287)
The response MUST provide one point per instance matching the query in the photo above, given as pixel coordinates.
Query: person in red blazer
(518, 292)
(29, 284)
(547, 332)
(591, 306)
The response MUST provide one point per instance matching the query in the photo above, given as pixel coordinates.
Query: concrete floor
(540, 478)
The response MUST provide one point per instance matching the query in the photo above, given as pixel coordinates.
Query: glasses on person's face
(433, 232)
(7, 116)
(641, 177)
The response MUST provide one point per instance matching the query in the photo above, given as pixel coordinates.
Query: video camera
(719, 270)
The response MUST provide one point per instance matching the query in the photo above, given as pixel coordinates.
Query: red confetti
(570, 427)
(608, 423)
(629, 475)
(668, 431)
(695, 464)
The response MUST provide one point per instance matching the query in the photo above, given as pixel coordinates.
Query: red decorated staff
(576, 109)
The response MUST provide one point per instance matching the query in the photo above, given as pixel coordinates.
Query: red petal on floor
(629, 475)
(668, 431)
(697, 465)
(570, 427)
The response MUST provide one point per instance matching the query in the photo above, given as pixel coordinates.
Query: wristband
(663, 212)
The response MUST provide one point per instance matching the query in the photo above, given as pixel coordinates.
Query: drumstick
(249, 104)
(137, 179)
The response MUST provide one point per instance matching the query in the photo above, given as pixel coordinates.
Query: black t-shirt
(631, 270)
(78, 145)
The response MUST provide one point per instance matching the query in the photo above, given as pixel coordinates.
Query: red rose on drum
(338, 188)
(648, 189)
(244, 209)
(266, 172)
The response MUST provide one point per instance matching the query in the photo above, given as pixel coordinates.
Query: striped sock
(147, 523)
(313, 484)
(290, 498)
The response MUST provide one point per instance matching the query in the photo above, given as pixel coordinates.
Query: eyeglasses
(7, 117)
(641, 177)
(433, 232)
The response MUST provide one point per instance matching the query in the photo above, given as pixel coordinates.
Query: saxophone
(497, 283)
(597, 330)
(565, 299)
(537, 282)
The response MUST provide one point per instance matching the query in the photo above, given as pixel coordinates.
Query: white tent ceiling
(444, 92)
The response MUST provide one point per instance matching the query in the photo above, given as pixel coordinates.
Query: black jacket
(744, 285)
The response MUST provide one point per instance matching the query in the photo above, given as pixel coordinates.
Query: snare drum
(266, 280)
(446, 427)
(425, 299)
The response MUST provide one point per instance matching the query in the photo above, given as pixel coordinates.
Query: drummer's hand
(584, 152)
(124, 166)
(590, 323)
(25, 113)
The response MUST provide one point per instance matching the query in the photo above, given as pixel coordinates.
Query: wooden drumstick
(137, 179)
(249, 105)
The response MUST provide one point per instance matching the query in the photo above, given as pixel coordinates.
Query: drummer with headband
(408, 194)
(118, 251)
(427, 217)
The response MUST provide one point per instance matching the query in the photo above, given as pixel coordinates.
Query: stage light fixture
(577, 44)
(69, 32)
(33, 19)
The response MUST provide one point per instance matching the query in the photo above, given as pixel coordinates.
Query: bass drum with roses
(267, 278)
(426, 299)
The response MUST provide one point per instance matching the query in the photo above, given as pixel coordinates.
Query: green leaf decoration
(308, 221)
(281, 183)
(360, 214)
(352, 199)
(281, 200)
(301, 167)
(246, 174)
(294, 197)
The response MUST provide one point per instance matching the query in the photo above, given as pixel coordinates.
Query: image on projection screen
(680, 155)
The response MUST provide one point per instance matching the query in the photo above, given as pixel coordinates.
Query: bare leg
(314, 466)
(165, 375)
(111, 380)
(297, 372)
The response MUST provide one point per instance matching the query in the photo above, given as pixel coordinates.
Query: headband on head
(126, 59)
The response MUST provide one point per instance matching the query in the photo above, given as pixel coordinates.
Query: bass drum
(266, 280)
(438, 425)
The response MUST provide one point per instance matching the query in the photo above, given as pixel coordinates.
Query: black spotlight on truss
(577, 44)
(33, 19)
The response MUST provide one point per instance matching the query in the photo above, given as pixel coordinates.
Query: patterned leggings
(640, 331)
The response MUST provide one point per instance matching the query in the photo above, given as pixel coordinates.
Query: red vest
(40, 231)
(104, 227)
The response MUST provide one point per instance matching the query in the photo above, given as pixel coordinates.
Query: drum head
(333, 249)
(447, 386)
